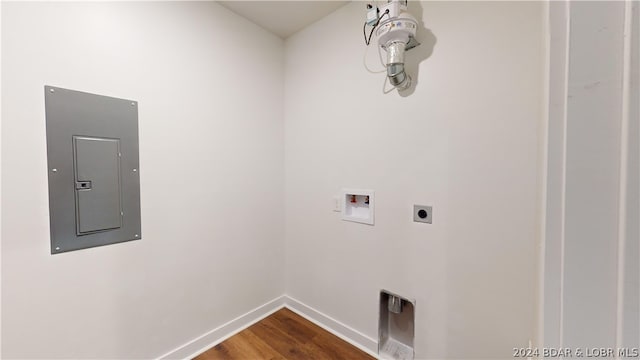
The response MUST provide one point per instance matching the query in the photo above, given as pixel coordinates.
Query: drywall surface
(555, 185)
(591, 271)
(209, 87)
(592, 174)
(630, 337)
(465, 140)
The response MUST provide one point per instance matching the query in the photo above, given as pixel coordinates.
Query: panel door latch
(83, 185)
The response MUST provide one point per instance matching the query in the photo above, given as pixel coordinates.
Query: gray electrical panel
(93, 169)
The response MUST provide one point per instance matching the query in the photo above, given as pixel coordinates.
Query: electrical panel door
(97, 176)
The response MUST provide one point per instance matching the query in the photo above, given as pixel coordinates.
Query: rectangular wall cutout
(358, 205)
(93, 169)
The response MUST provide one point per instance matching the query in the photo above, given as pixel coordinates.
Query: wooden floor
(284, 335)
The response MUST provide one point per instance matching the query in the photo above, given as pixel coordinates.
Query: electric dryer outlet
(422, 213)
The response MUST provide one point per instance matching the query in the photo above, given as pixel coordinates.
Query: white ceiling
(283, 18)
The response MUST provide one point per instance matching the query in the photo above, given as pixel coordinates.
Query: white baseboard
(345, 332)
(224, 331)
(212, 338)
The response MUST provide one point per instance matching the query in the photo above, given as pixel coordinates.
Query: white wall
(591, 263)
(209, 85)
(467, 141)
(555, 183)
(630, 327)
(592, 173)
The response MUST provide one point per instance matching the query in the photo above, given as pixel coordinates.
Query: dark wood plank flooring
(284, 335)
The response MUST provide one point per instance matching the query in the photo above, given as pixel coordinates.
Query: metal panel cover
(93, 169)
(97, 203)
